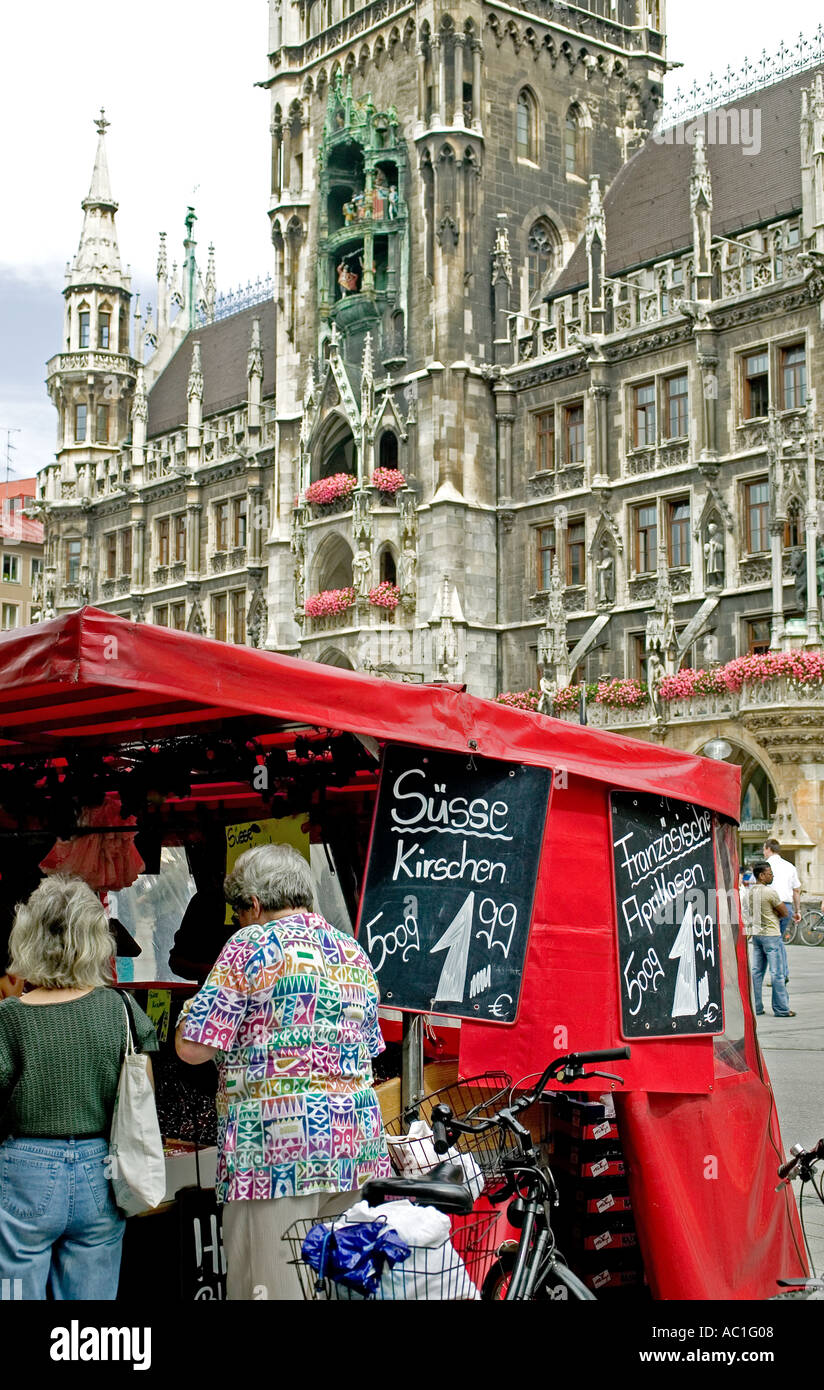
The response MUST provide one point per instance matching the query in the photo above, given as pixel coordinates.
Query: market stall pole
(598, 966)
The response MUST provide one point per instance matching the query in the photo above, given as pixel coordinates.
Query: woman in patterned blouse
(290, 1011)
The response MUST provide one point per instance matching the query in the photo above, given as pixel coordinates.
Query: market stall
(208, 746)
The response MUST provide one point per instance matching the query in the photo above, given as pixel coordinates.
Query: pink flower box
(385, 595)
(327, 490)
(388, 479)
(329, 602)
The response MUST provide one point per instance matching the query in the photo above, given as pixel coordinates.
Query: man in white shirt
(788, 886)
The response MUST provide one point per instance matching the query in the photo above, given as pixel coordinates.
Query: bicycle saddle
(443, 1187)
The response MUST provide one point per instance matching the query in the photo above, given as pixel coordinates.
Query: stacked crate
(594, 1223)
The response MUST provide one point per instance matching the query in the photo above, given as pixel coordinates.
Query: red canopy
(96, 676)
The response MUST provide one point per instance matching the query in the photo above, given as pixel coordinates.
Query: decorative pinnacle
(101, 123)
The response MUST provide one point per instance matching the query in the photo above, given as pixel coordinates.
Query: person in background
(746, 880)
(767, 909)
(61, 1050)
(290, 1011)
(788, 886)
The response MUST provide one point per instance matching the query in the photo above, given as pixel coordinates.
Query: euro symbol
(498, 1009)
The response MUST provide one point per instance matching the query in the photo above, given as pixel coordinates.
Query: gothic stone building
(590, 351)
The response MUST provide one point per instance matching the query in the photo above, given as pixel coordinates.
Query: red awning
(101, 678)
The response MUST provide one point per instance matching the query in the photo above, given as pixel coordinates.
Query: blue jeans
(783, 925)
(59, 1227)
(766, 950)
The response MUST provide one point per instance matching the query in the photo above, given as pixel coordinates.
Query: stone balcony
(785, 716)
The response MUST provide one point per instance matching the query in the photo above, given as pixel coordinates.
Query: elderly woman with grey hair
(61, 1050)
(290, 1010)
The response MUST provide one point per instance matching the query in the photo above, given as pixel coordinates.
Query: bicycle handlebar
(800, 1155)
(566, 1069)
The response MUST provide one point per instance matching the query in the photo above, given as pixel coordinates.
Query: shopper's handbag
(136, 1147)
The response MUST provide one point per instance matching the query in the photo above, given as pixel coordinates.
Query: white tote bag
(136, 1147)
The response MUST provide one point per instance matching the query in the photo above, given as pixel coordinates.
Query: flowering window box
(329, 602)
(388, 481)
(385, 595)
(327, 491)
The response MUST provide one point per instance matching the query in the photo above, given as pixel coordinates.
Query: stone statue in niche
(714, 556)
(799, 569)
(605, 576)
(655, 674)
(362, 573)
(300, 580)
(392, 201)
(407, 572)
(546, 699)
(709, 648)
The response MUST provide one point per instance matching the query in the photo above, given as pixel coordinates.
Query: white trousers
(257, 1259)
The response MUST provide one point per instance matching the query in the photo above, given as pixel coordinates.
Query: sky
(188, 125)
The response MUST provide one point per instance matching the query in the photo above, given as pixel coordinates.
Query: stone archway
(333, 656)
(331, 567)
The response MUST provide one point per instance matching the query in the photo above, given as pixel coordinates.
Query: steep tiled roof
(224, 348)
(647, 205)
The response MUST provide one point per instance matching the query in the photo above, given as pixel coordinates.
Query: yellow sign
(288, 830)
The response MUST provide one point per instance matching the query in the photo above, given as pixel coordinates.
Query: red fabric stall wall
(727, 1236)
(569, 1000)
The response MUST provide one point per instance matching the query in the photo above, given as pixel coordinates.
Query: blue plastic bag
(354, 1255)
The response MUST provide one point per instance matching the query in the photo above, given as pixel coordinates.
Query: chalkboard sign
(450, 881)
(668, 940)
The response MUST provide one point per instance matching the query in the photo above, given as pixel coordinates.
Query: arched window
(333, 564)
(526, 127)
(576, 154)
(388, 568)
(388, 450)
(541, 252)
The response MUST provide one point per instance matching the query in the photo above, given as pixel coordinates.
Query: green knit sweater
(60, 1064)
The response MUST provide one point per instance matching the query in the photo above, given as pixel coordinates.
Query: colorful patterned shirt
(293, 1008)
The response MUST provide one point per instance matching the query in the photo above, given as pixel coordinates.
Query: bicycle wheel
(811, 928)
(790, 934)
(558, 1285)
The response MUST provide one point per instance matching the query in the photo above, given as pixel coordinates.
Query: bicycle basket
(477, 1097)
(453, 1268)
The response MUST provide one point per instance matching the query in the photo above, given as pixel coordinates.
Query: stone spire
(194, 393)
(701, 209)
(596, 243)
(210, 288)
(98, 257)
(812, 164)
(162, 288)
(189, 277)
(140, 418)
(254, 377)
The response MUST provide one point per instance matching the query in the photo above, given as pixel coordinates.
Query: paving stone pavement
(794, 1052)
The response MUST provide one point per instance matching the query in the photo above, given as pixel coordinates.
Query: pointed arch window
(104, 324)
(576, 152)
(388, 450)
(526, 127)
(541, 252)
(84, 327)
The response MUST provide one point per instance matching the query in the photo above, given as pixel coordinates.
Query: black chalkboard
(450, 882)
(668, 941)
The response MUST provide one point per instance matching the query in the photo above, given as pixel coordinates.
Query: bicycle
(811, 927)
(804, 1162)
(531, 1269)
